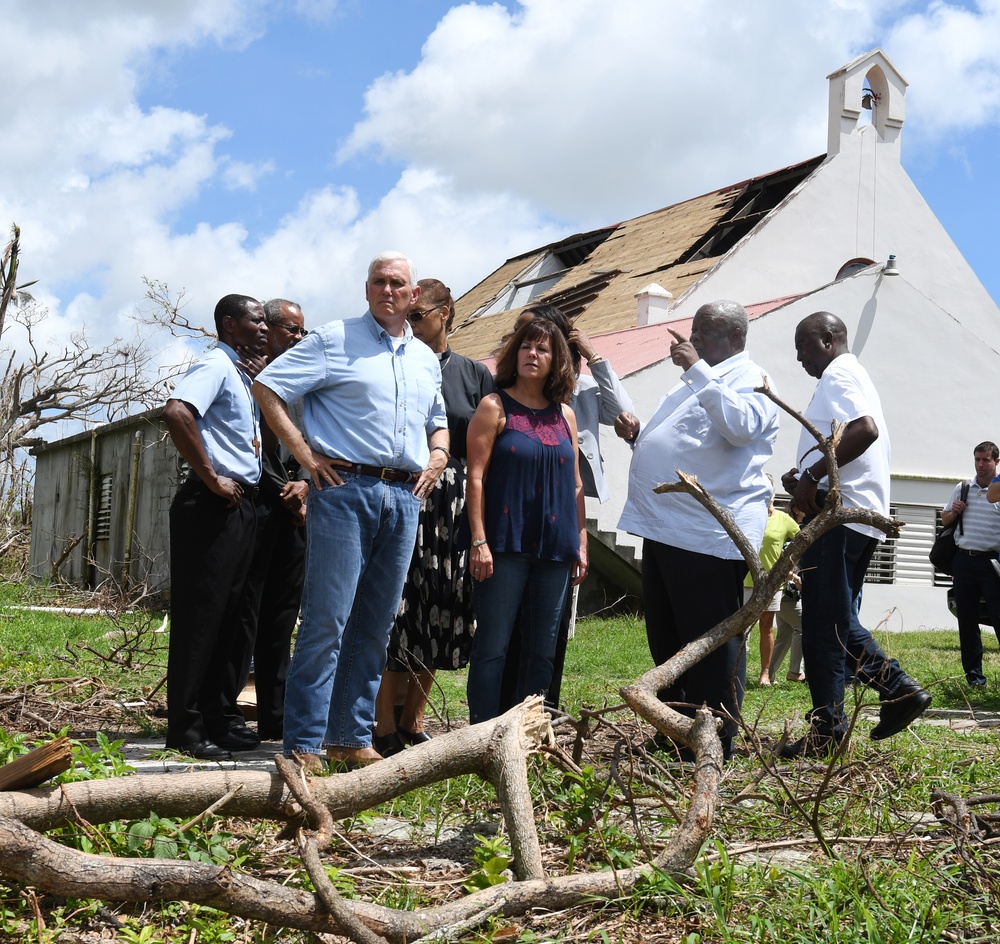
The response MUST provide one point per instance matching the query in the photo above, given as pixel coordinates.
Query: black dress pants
(684, 595)
(271, 608)
(211, 550)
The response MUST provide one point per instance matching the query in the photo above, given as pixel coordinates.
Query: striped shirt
(980, 521)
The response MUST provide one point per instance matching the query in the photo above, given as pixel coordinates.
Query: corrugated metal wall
(64, 474)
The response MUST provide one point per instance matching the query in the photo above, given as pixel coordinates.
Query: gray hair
(273, 306)
(731, 313)
(394, 257)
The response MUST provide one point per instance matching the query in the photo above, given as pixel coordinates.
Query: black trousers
(974, 580)
(211, 550)
(684, 595)
(271, 608)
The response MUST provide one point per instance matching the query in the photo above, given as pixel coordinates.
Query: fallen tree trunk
(496, 750)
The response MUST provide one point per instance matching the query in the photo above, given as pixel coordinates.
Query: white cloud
(951, 58)
(241, 175)
(595, 110)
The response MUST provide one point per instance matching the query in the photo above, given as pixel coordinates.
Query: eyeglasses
(292, 329)
(415, 314)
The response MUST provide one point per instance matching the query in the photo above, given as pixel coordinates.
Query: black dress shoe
(814, 744)
(907, 703)
(239, 738)
(206, 750)
(412, 737)
(388, 744)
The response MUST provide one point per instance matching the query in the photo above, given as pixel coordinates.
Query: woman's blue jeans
(833, 573)
(540, 587)
(359, 541)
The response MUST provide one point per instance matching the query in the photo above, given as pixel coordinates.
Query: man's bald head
(819, 338)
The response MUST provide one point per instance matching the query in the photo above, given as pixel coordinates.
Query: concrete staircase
(615, 578)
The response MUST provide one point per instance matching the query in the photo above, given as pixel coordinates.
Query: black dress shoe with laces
(206, 750)
(388, 744)
(239, 738)
(907, 703)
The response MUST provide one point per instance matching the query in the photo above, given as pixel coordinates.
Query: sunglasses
(416, 314)
(293, 329)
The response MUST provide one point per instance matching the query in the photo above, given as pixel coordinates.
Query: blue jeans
(539, 586)
(359, 540)
(833, 573)
(974, 577)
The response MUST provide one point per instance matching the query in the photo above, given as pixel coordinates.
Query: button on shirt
(980, 520)
(226, 413)
(714, 426)
(367, 397)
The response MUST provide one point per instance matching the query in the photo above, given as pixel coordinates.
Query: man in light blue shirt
(214, 422)
(375, 442)
(715, 426)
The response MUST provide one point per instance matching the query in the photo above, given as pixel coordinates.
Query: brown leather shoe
(312, 763)
(351, 757)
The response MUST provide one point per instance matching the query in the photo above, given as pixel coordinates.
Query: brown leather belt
(963, 550)
(377, 472)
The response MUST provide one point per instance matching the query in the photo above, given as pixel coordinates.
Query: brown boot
(311, 763)
(351, 757)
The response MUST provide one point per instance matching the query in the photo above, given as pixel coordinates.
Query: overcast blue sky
(273, 148)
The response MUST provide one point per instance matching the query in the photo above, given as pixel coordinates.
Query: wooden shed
(102, 500)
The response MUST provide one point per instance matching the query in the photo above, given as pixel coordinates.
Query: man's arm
(613, 399)
(182, 424)
(858, 436)
(583, 563)
(275, 410)
(627, 427)
(738, 413)
(438, 441)
(958, 506)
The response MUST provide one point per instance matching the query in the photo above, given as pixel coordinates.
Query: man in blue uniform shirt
(375, 442)
(214, 423)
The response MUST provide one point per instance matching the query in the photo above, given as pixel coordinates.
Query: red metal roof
(635, 349)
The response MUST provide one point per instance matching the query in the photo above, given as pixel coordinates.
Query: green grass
(606, 654)
(890, 873)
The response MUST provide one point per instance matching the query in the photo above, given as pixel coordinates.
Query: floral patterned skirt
(435, 623)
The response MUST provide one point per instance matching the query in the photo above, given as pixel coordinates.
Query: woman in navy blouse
(526, 512)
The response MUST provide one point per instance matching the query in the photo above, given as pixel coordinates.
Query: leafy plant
(106, 760)
(494, 859)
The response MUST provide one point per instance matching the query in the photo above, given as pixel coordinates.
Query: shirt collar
(378, 332)
(230, 353)
(731, 363)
